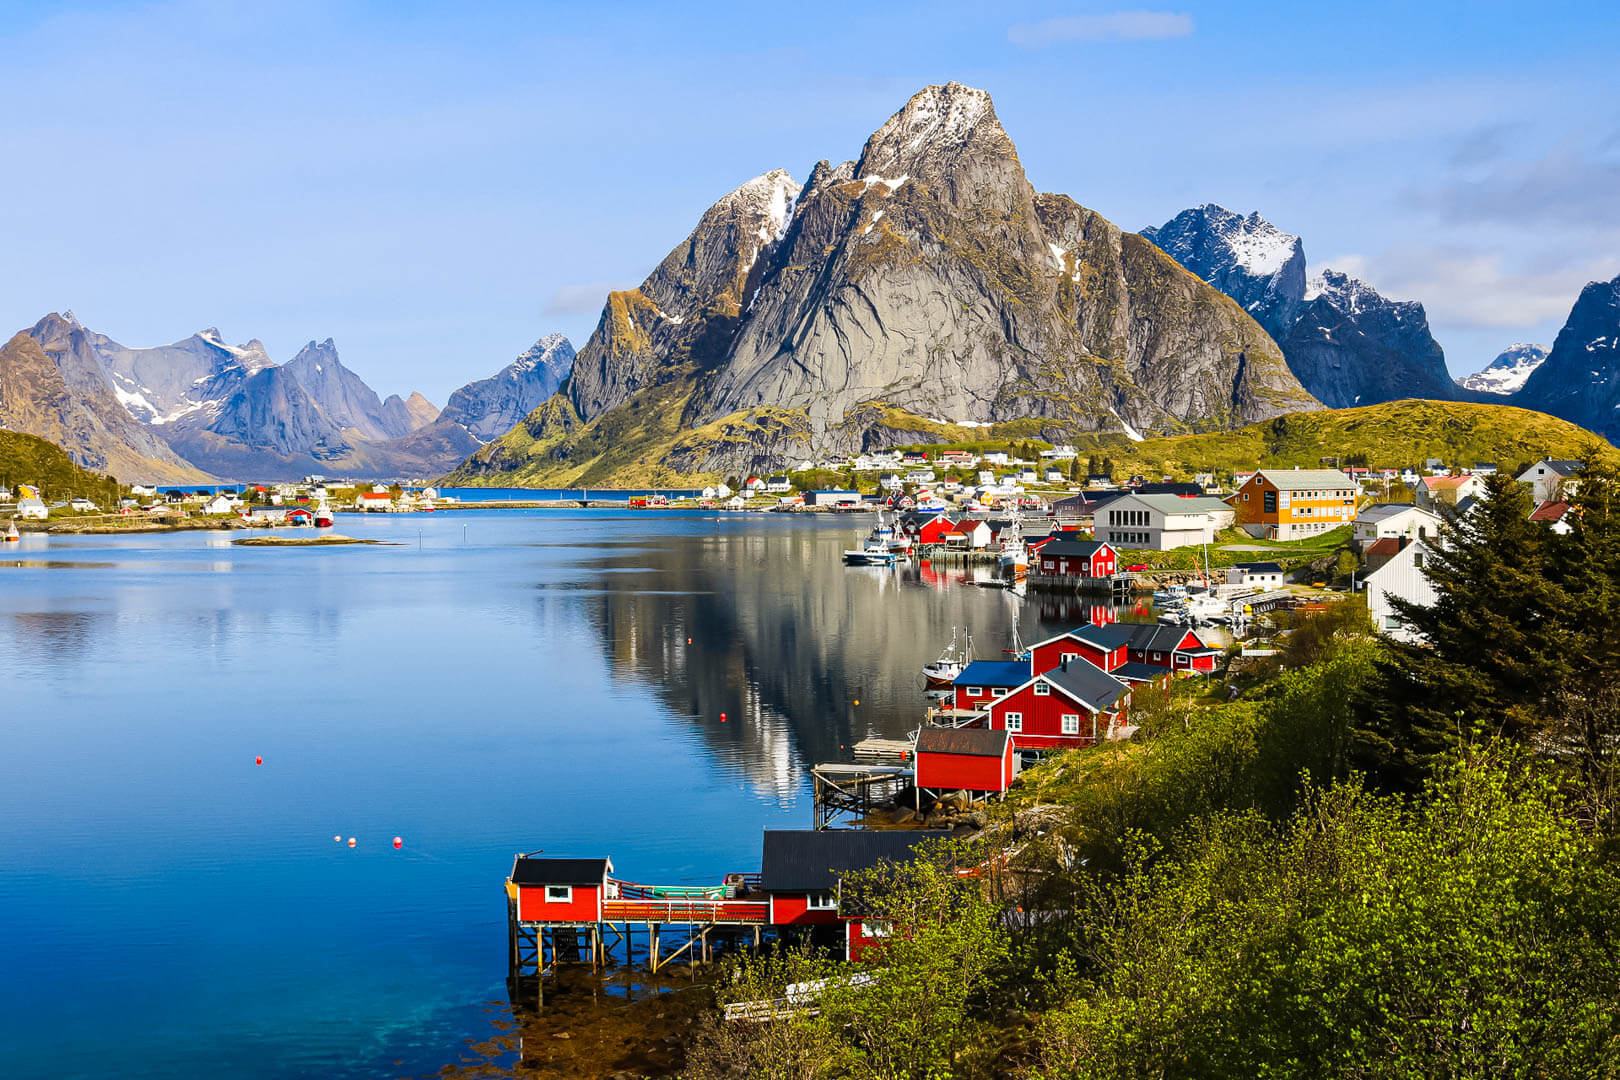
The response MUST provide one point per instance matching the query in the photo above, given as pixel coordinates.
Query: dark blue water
(499, 681)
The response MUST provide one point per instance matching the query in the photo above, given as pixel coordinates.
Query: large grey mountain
(344, 396)
(52, 386)
(1580, 379)
(1345, 343)
(1508, 372)
(1247, 258)
(412, 413)
(1351, 346)
(489, 407)
(926, 280)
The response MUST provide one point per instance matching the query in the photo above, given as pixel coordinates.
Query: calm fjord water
(499, 681)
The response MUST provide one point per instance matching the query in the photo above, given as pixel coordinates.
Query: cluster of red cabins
(1071, 690)
(796, 890)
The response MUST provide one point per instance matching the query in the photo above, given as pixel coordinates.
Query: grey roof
(1306, 479)
(1381, 511)
(527, 870)
(810, 860)
(1083, 548)
(1087, 683)
(972, 742)
(1134, 671)
(1176, 504)
(1562, 465)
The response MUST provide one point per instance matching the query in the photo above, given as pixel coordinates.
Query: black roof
(1088, 683)
(1260, 567)
(1168, 488)
(1081, 548)
(811, 860)
(528, 870)
(973, 742)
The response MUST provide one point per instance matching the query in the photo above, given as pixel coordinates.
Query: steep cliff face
(412, 413)
(1352, 346)
(1247, 258)
(344, 396)
(52, 385)
(927, 279)
(489, 407)
(1580, 379)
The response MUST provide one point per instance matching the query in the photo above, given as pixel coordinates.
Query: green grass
(27, 459)
(1289, 554)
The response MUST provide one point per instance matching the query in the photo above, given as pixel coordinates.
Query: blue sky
(437, 185)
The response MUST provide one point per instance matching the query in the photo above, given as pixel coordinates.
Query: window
(875, 929)
(1269, 502)
(1042, 690)
(559, 894)
(1071, 723)
(821, 901)
(1245, 496)
(1015, 721)
(1066, 657)
(973, 691)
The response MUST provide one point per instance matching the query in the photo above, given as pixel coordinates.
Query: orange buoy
(337, 839)
(689, 641)
(351, 841)
(857, 701)
(258, 761)
(398, 843)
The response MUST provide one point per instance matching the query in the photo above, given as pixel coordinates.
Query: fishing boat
(942, 672)
(323, 516)
(12, 536)
(875, 552)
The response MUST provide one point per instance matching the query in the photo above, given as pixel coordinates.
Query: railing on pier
(745, 912)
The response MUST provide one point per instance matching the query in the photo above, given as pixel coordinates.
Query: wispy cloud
(581, 299)
(1106, 26)
(1571, 185)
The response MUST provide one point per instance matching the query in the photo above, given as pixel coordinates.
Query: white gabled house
(1403, 577)
(1394, 519)
(1550, 480)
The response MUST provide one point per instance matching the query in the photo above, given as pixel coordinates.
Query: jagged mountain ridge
(1580, 379)
(59, 398)
(1507, 373)
(201, 406)
(1346, 343)
(490, 407)
(1247, 258)
(925, 280)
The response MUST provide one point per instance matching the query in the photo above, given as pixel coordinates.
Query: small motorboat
(323, 517)
(875, 552)
(12, 536)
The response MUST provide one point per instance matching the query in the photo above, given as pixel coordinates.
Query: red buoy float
(722, 718)
(398, 843)
(351, 841)
(258, 761)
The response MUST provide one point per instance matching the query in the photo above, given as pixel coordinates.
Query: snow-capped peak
(1508, 372)
(772, 196)
(938, 116)
(1344, 292)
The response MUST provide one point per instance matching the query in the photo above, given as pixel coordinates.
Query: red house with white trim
(934, 530)
(964, 759)
(1078, 558)
(799, 871)
(982, 681)
(559, 890)
(1070, 706)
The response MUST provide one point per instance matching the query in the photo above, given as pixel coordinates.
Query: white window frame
(1015, 721)
(1071, 723)
(821, 901)
(973, 691)
(559, 894)
(1066, 657)
(1042, 690)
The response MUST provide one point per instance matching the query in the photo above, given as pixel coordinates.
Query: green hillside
(25, 459)
(1392, 434)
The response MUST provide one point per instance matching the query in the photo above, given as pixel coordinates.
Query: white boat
(951, 662)
(323, 516)
(12, 536)
(1014, 555)
(875, 552)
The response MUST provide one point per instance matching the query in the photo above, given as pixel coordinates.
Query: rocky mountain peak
(1580, 379)
(1352, 346)
(1248, 258)
(1508, 372)
(948, 138)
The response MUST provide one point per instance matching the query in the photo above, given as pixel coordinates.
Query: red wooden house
(982, 681)
(964, 759)
(1070, 706)
(1128, 650)
(559, 890)
(1078, 558)
(934, 530)
(1174, 647)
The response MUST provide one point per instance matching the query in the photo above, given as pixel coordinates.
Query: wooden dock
(855, 790)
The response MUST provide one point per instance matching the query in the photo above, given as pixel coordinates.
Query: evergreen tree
(1493, 645)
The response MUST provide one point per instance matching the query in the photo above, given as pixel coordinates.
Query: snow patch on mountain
(1508, 372)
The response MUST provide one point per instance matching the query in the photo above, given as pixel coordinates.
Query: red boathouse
(964, 759)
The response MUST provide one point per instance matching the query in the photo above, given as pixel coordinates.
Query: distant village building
(1557, 516)
(1260, 576)
(374, 501)
(220, 504)
(32, 510)
(1434, 492)
(778, 484)
(1161, 522)
(833, 498)
(1550, 479)
(1288, 504)
(1394, 519)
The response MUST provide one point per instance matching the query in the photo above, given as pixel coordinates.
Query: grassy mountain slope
(28, 459)
(641, 442)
